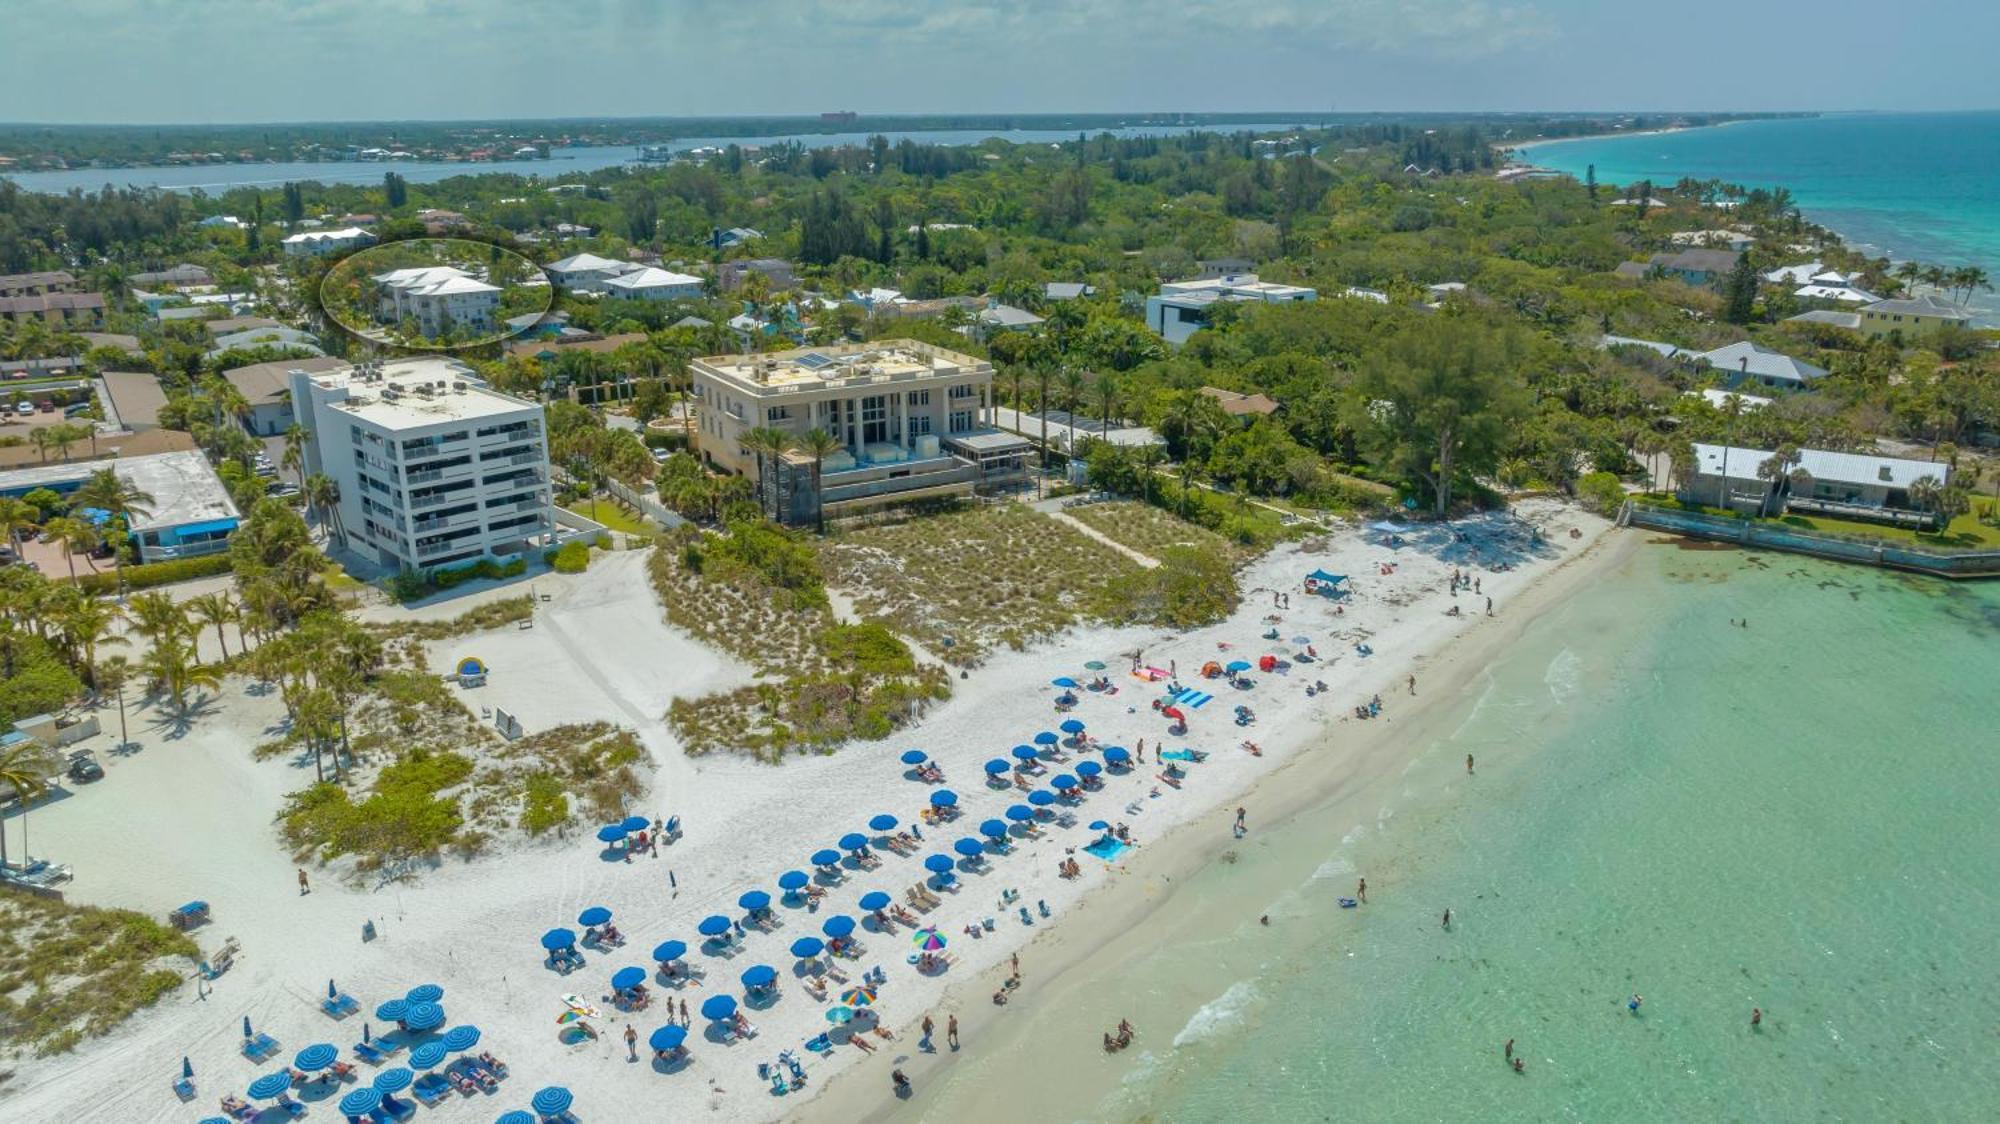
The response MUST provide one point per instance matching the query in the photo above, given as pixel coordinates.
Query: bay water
(1797, 815)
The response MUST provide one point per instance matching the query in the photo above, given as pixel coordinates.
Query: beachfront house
(1714, 239)
(1752, 364)
(1859, 486)
(1697, 267)
(190, 513)
(1181, 308)
(316, 243)
(434, 468)
(1911, 315)
(913, 421)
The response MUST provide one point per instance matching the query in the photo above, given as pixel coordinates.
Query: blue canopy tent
(826, 856)
(714, 925)
(718, 1007)
(939, 864)
(805, 948)
(424, 993)
(1071, 726)
(429, 1055)
(1046, 737)
(393, 1010)
(1020, 813)
(669, 950)
(793, 880)
(612, 833)
(969, 847)
(759, 976)
(461, 1038)
(594, 916)
(271, 1085)
(361, 1102)
(1041, 798)
(993, 829)
(424, 1016)
(1088, 768)
(625, 979)
(668, 1037)
(551, 1101)
(315, 1057)
(837, 926)
(944, 798)
(998, 766)
(1325, 583)
(854, 841)
(874, 900)
(883, 822)
(1025, 753)
(756, 901)
(915, 757)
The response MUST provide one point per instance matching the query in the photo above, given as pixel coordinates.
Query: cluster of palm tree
(773, 443)
(1961, 283)
(60, 437)
(321, 667)
(172, 661)
(104, 491)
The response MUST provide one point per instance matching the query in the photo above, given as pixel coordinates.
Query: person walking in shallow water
(1468, 764)
(1446, 923)
(951, 1030)
(1756, 1017)
(1361, 892)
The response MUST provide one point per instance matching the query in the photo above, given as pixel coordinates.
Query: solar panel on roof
(813, 361)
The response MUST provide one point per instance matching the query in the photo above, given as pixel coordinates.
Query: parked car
(25, 409)
(281, 489)
(83, 766)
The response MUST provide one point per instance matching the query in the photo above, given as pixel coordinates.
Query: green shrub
(402, 817)
(158, 573)
(573, 558)
(41, 682)
(1600, 492)
(545, 805)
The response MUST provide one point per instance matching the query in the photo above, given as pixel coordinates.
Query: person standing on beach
(1361, 892)
(1447, 918)
(632, 1043)
(926, 1040)
(1510, 1049)
(1468, 764)
(1240, 827)
(305, 885)
(951, 1030)
(1489, 606)
(1413, 684)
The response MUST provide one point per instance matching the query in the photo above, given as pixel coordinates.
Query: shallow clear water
(1796, 816)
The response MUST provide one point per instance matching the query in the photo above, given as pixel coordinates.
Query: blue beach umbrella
(853, 841)
(805, 948)
(1071, 726)
(551, 1101)
(668, 1037)
(429, 1055)
(793, 880)
(1088, 768)
(1234, 666)
(271, 1086)
(635, 823)
(1062, 781)
(1046, 738)
(993, 829)
(424, 1016)
(670, 950)
(393, 1080)
(594, 916)
(1117, 753)
(1098, 825)
(915, 757)
(516, 1116)
(361, 1102)
(317, 1056)
(1041, 798)
(718, 1007)
(938, 864)
(754, 900)
(1024, 753)
(997, 766)
(837, 926)
(759, 975)
(1064, 681)
(1020, 813)
(883, 822)
(874, 900)
(625, 979)
(825, 857)
(463, 1037)
(944, 798)
(425, 993)
(393, 1010)
(714, 925)
(969, 847)
(612, 833)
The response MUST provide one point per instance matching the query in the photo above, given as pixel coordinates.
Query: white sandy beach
(191, 817)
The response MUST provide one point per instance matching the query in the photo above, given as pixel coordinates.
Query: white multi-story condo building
(309, 243)
(1181, 308)
(913, 421)
(435, 469)
(438, 298)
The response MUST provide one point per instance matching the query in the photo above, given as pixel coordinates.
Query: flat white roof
(417, 392)
(1821, 464)
(842, 364)
(184, 488)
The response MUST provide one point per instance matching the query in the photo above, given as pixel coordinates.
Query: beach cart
(189, 915)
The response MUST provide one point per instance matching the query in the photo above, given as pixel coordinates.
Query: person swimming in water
(1756, 1016)
(1632, 1004)
(1518, 1068)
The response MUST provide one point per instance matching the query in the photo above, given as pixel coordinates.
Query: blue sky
(288, 60)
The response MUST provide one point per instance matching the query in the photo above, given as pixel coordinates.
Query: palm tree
(24, 769)
(17, 517)
(1909, 272)
(112, 677)
(85, 623)
(1190, 474)
(296, 437)
(1107, 399)
(768, 441)
(1042, 374)
(74, 534)
(1776, 472)
(817, 443)
(172, 665)
(1150, 456)
(123, 499)
(323, 497)
(1927, 493)
(218, 609)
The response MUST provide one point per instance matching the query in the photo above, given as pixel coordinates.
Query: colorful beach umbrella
(551, 940)
(838, 1015)
(915, 757)
(717, 1007)
(424, 1016)
(669, 950)
(997, 766)
(1098, 825)
(929, 940)
(425, 993)
(1234, 666)
(361, 1102)
(315, 1057)
(1071, 726)
(668, 1037)
(187, 1068)
(594, 916)
(1094, 665)
(858, 996)
(516, 1116)
(805, 948)
(874, 900)
(625, 979)
(883, 822)
(393, 1080)
(271, 1085)
(429, 1055)
(461, 1038)
(759, 975)
(551, 1101)
(837, 926)
(793, 880)
(714, 925)
(635, 823)
(393, 1010)
(944, 798)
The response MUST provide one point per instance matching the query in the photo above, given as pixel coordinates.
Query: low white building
(1181, 308)
(313, 243)
(647, 283)
(434, 468)
(1751, 363)
(587, 272)
(438, 298)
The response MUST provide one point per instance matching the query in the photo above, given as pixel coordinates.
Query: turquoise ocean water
(1797, 816)
(1910, 185)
